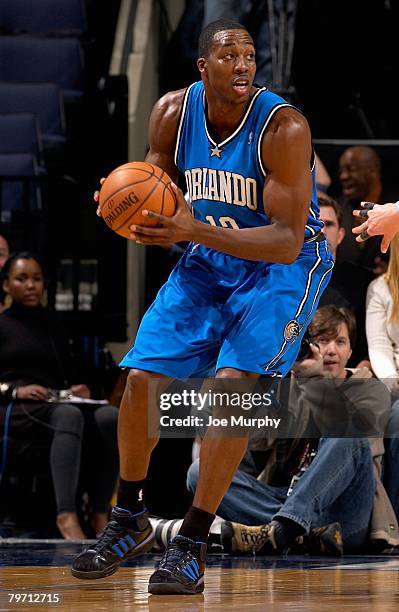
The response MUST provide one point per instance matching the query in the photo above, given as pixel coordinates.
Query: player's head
(331, 215)
(334, 330)
(226, 60)
(360, 173)
(23, 279)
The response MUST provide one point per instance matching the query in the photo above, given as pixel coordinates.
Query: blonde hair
(392, 278)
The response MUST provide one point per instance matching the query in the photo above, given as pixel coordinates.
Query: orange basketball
(130, 189)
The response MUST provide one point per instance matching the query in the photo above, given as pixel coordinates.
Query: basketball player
(242, 294)
(381, 219)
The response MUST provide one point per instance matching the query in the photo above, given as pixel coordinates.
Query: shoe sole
(143, 547)
(173, 588)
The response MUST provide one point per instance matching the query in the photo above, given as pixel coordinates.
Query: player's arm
(162, 128)
(286, 155)
(381, 219)
(286, 152)
(162, 132)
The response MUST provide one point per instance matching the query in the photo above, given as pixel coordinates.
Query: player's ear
(201, 63)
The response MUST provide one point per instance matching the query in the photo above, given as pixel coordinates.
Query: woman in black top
(34, 361)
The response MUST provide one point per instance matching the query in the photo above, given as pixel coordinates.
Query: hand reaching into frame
(380, 219)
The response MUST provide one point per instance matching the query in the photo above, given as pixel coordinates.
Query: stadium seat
(19, 133)
(14, 196)
(27, 59)
(41, 99)
(43, 17)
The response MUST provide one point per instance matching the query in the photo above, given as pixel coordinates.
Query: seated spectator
(331, 215)
(348, 284)
(35, 360)
(382, 326)
(382, 322)
(360, 178)
(4, 251)
(4, 255)
(335, 485)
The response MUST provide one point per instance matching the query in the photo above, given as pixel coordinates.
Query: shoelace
(110, 534)
(172, 557)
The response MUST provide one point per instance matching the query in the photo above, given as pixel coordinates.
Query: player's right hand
(96, 197)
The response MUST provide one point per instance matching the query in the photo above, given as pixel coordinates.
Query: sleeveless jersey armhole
(181, 123)
(270, 116)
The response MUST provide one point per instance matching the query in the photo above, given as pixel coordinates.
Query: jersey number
(223, 222)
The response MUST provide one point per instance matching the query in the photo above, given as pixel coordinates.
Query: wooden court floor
(261, 583)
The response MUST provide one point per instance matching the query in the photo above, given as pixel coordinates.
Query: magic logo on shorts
(291, 330)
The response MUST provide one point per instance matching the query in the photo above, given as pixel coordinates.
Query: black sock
(131, 495)
(286, 531)
(196, 524)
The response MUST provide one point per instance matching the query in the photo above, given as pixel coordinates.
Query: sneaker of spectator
(264, 539)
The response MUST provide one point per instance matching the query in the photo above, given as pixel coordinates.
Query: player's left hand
(179, 228)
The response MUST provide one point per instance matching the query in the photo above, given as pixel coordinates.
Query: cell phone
(305, 352)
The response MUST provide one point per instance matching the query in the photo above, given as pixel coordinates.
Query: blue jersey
(218, 311)
(225, 180)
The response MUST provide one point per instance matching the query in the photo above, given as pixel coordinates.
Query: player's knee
(137, 378)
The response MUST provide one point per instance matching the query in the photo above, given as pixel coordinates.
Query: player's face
(355, 175)
(230, 67)
(25, 282)
(335, 349)
(331, 229)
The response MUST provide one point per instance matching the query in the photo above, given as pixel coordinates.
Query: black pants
(77, 441)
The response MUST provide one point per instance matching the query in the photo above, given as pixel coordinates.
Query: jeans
(338, 486)
(391, 459)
